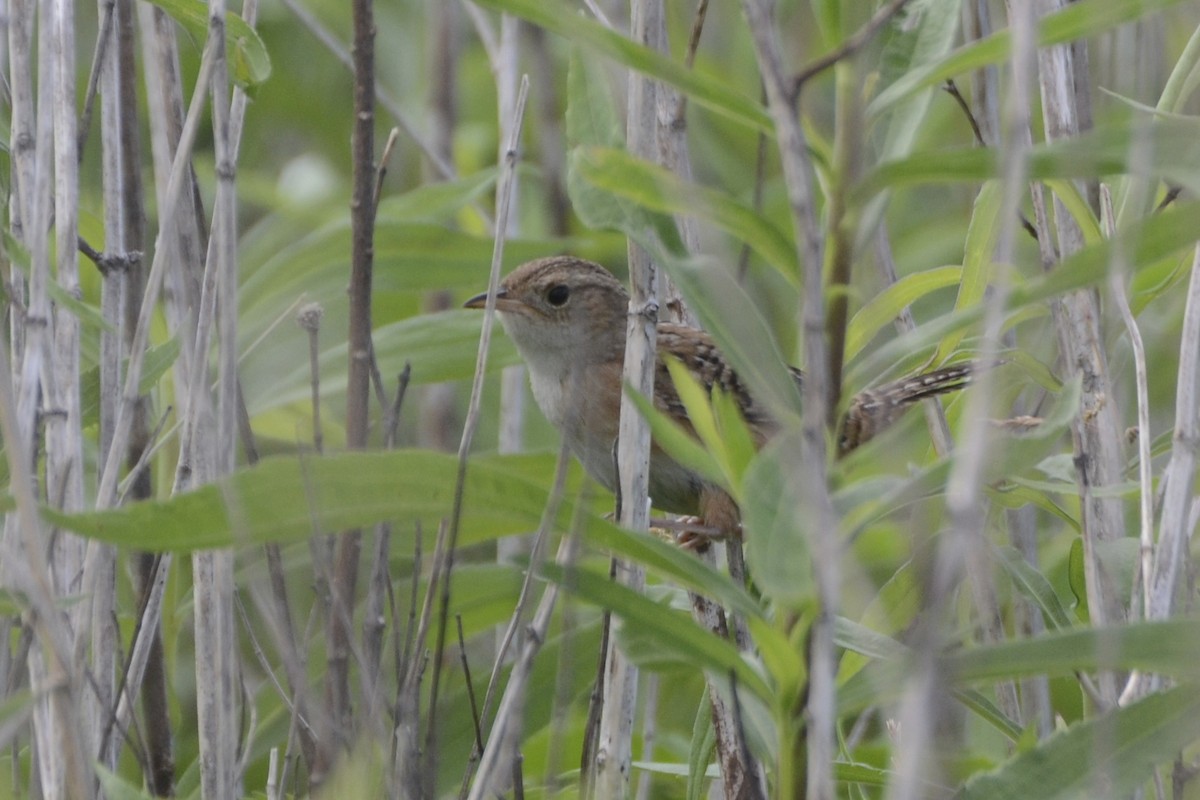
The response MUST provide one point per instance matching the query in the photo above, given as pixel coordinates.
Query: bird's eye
(558, 294)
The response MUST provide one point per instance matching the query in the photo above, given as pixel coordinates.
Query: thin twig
(381, 173)
(466, 665)
(1145, 477)
(103, 44)
(505, 731)
(503, 202)
(309, 318)
(848, 48)
(105, 492)
(689, 58)
(517, 618)
(951, 88)
(153, 443)
(331, 43)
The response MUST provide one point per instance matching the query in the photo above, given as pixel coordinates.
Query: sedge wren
(567, 318)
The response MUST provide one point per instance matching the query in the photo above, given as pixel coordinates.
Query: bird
(567, 317)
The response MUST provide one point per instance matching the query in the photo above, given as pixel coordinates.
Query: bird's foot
(691, 533)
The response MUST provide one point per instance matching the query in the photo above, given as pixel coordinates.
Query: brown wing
(698, 352)
(873, 410)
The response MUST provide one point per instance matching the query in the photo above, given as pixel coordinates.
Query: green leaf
(885, 307)
(436, 201)
(863, 641)
(977, 257)
(409, 257)
(1077, 21)
(291, 498)
(704, 741)
(1034, 586)
(1111, 755)
(658, 189)
(248, 60)
(600, 208)
(439, 347)
(1077, 580)
(1077, 206)
(783, 659)
(563, 19)
(1170, 145)
(155, 363)
(673, 563)
(923, 34)
(738, 327)
(777, 553)
(676, 442)
(1171, 648)
(118, 788)
(652, 630)
(591, 118)
(738, 447)
(1143, 242)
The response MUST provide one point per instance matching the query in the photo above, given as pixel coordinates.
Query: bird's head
(561, 309)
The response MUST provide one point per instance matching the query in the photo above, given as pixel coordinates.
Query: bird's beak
(480, 300)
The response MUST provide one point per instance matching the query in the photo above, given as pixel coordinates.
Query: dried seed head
(309, 317)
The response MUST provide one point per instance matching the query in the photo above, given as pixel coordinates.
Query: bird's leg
(719, 518)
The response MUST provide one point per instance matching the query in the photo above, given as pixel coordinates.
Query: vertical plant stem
(809, 458)
(217, 666)
(614, 749)
(1096, 430)
(358, 380)
(504, 198)
(112, 292)
(1170, 558)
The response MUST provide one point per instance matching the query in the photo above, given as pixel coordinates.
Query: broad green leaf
(737, 442)
(1077, 21)
(117, 788)
(885, 307)
(657, 632)
(698, 405)
(777, 553)
(989, 712)
(1111, 755)
(704, 741)
(678, 443)
(658, 189)
(977, 258)
(1033, 585)
(1144, 242)
(564, 20)
(1171, 648)
(600, 208)
(291, 498)
(437, 200)
(409, 257)
(155, 363)
(783, 658)
(592, 122)
(1171, 146)
(924, 36)
(862, 641)
(439, 347)
(248, 60)
(670, 561)
(738, 327)
(1077, 205)
(1016, 492)
(591, 118)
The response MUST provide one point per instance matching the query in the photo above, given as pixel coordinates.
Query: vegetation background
(276, 526)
